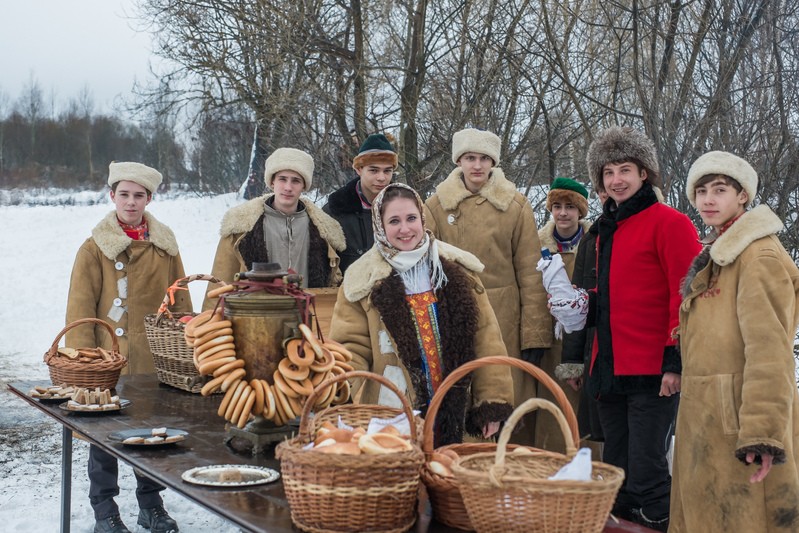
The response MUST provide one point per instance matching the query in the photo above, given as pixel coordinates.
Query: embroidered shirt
(424, 311)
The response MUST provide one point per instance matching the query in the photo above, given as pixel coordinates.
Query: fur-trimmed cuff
(672, 360)
(778, 454)
(477, 417)
(566, 371)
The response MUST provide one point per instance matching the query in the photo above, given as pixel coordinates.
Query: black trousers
(638, 429)
(103, 486)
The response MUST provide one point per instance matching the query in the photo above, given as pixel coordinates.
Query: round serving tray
(233, 475)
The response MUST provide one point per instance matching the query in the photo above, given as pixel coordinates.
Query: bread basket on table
(445, 498)
(173, 358)
(511, 492)
(85, 367)
(335, 493)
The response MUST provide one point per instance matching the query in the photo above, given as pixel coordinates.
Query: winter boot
(157, 520)
(112, 524)
(639, 517)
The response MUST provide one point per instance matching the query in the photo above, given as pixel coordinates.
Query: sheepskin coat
(242, 243)
(120, 280)
(738, 322)
(547, 431)
(373, 319)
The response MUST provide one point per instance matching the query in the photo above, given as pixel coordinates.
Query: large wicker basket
(511, 492)
(445, 498)
(101, 373)
(173, 358)
(335, 493)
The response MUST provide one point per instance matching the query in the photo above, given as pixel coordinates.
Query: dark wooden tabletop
(260, 509)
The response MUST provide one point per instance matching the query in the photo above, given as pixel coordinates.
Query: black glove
(533, 355)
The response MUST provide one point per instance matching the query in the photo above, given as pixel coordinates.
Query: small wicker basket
(102, 373)
(511, 492)
(173, 358)
(445, 498)
(336, 493)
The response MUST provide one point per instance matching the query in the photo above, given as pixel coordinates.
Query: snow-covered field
(38, 248)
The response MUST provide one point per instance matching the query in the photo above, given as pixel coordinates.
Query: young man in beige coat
(478, 210)
(736, 458)
(121, 274)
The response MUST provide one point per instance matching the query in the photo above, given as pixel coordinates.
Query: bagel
(325, 362)
(230, 366)
(227, 352)
(197, 342)
(291, 371)
(311, 339)
(339, 348)
(214, 293)
(211, 342)
(269, 400)
(197, 321)
(324, 398)
(212, 386)
(232, 376)
(346, 367)
(342, 393)
(280, 384)
(235, 400)
(245, 394)
(258, 406)
(318, 377)
(280, 417)
(226, 401)
(340, 448)
(297, 355)
(383, 443)
(214, 349)
(283, 406)
(244, 417)
(212, 326)
(296, 405)
(303, 388)
(208, 367)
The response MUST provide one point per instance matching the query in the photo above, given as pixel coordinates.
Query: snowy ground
(39, 245)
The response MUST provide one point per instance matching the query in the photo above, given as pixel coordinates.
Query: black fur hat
(622, 144)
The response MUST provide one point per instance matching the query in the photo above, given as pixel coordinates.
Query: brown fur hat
(619, 145)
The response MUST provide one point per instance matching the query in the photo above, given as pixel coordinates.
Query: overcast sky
(66, 45)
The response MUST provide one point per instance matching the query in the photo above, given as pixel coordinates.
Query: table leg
(66, 478)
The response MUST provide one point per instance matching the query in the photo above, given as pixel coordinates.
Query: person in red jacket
(644, 249)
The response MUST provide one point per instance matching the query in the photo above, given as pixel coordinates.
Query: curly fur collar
(499, 191)
(547, 235)
(753, 225)
(364, 273)
(242, 218)
(112, 241)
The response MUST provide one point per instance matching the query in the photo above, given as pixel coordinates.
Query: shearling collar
(754, 224)
(547, 235)
(364, 273)
(242, 218)
(498, 190)
(112, 241)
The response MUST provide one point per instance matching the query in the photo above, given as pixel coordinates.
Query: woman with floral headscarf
(413, 309)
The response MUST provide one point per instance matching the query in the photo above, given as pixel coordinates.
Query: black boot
(157, 520)
(112, 524)
(639, 517)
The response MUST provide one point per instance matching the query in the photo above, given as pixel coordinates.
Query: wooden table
(261, 508)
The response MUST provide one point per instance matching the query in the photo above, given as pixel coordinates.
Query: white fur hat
(289, 159)
(722, 163)
(147, 177)
(478, 141)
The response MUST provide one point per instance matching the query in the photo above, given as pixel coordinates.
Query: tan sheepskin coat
(110, 266)
(547, 432)
(358, 324)
(738, 323)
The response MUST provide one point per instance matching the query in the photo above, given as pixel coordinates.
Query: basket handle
(306, 420)
(461, 371)
(180, 284)
(54, 347)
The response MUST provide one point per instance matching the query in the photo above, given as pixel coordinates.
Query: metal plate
(146, 433)
(230, 475)
(123, 404)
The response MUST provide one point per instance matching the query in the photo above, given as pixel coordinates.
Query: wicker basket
(173, 358)
(445, 498)
(512, 493)
(336, 493)
(102, 373)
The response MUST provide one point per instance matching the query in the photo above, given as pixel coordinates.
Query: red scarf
(138, 232)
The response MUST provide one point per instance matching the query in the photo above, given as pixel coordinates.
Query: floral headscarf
(419, 268)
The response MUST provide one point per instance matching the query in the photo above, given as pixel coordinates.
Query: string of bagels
(306, 362)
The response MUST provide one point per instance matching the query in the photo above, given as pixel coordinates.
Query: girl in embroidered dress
(413, 309)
